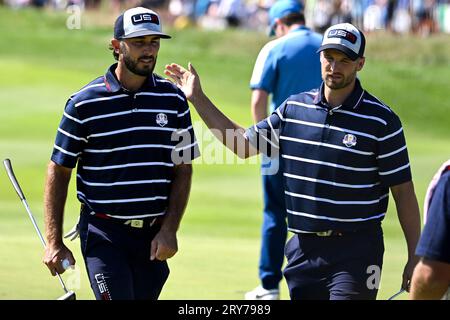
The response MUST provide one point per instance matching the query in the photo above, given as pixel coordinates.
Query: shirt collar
(299, 28)
(113, 84)
(352, 101)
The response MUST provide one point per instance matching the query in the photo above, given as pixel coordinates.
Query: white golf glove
(74, 232)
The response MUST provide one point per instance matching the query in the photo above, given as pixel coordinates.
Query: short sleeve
(435, 238)
(265, 70)
(186, 148)
(265, 135)
(70, 138)
(393, 160)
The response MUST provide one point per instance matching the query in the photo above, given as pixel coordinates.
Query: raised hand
(186, 80)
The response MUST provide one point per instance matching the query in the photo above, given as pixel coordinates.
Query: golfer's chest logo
(349, 140)
(161, 119)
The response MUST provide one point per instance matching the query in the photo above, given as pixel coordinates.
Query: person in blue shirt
(431, 278)
(274, 76)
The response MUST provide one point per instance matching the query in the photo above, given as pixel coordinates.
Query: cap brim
(351, 54)
(146, 33)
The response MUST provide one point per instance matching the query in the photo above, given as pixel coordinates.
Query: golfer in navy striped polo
(130, 135)
(342, 150)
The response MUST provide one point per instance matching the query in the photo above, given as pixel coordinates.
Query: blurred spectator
(223, 13)
(340, 12)
(401, 22)
(373, 17)
(321, 15)
(422, 17)
(182, 12)
(232, 11)
(426, 17)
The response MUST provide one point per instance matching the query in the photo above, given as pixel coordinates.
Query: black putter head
(68, 296)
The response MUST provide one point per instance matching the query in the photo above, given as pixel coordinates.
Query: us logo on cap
(161, 119)
(349, 140)
(144, 17)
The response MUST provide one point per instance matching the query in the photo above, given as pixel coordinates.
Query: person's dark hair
(293, 18)
(115, 54)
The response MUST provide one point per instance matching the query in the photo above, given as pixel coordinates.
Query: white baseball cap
(138, 22)
(344, 37)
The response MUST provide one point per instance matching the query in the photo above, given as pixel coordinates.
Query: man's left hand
(408, 272)
(164, 245)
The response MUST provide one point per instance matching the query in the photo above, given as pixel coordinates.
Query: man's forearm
(430, 281)
(408, 214)
(54, 200)
(179, 196)
(225, 130)
(259, 105)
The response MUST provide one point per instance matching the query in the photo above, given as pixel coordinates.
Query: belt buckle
(135, 223)
(324, 233)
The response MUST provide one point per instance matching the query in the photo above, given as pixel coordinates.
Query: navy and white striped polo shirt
(126, 144)
(338, 163)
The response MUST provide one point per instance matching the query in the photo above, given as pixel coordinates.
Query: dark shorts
(346, 267)
(117, 258)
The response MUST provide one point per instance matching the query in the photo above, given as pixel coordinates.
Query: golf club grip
(12, 177)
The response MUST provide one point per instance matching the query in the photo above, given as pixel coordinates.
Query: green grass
(42, 63)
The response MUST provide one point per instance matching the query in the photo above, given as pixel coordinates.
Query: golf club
(69, 295)
(397, 294)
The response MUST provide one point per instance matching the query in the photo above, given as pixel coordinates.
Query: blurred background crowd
(422, 17)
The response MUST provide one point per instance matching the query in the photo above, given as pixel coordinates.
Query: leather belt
(133, 223)
(327, 233)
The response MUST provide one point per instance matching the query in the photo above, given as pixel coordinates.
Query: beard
(144, 70)
(341, 83)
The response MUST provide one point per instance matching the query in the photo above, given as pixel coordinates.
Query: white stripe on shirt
(332, 183)
(186, 147)
(71, 135)
(68, 116)
(270, 142)
(180, 131)
(385, 173)
(391, 135)
(329, 164)
(122, 183)
(100, 99)
(301, 104)
(321, 144)
(66, 152)
(160, 95)
(344, 130)
(304, 196)
(279, 114)
(362, 116)
(377, 104)
(273, 130)
(312, 216)
(127, 165)
(122, 200)
(108, 115)
(386, 155)
(183, 114)
(88, 87)
(137, 146)
(109, 133)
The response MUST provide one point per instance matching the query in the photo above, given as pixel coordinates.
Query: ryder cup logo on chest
(161, 119)
(349, 140)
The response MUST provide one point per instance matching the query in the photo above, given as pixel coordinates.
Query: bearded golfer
(133, 175)
(342, 150)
